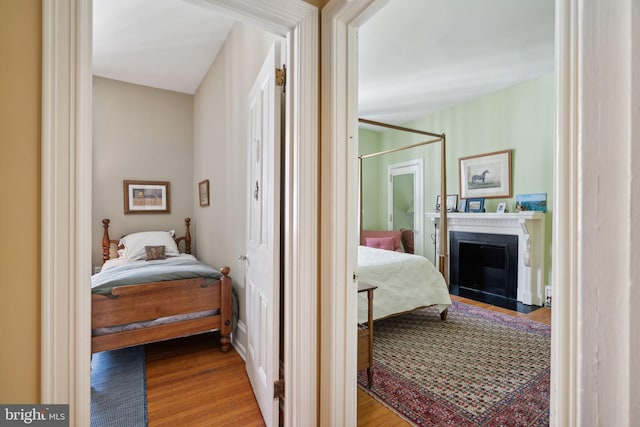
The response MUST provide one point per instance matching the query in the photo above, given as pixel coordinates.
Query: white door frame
(66, 199)
(410, 167)
(584, 32)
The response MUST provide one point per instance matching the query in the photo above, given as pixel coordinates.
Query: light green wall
(374, 208)
(520, 118)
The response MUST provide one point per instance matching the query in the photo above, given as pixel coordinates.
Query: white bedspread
(405, 282)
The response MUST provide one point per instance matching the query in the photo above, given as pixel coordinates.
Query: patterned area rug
(478, 368)
(118, 388)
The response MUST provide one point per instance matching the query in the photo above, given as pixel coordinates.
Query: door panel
(263, 245)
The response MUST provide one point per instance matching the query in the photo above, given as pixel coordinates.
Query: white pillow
(134, 243)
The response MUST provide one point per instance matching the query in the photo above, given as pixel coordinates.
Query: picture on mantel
(531, 202)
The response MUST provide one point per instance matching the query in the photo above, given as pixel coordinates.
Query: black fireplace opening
(484, 267)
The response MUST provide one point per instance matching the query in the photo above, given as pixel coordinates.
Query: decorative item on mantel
(452, 202)
(475, 204)
(531, 202)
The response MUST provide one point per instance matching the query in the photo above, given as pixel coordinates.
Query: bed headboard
(107, 241)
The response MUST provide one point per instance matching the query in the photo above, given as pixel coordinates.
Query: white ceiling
(166, 44)
(416, 56)
(421, 56)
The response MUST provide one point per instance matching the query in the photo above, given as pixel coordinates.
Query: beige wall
(220, 139)
(20, 75)
(140, 133)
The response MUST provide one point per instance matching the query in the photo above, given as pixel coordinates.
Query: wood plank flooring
(191, 383)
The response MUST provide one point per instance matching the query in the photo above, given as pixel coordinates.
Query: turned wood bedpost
(226, 309)
(187, 236)
(106, 241)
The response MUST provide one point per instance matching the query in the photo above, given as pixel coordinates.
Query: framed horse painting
(485, 175)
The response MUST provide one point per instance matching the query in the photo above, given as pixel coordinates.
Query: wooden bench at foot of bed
(150, 301)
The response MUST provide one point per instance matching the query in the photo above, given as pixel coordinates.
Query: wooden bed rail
(107, 241)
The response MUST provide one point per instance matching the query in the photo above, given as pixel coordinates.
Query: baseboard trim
(239, 337)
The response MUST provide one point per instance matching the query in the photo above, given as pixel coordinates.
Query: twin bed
(151, 292)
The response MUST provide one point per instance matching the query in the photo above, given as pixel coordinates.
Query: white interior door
(405, 206)
(263, 245)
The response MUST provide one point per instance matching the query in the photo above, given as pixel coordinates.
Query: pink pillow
(397, 246)
(380, 242)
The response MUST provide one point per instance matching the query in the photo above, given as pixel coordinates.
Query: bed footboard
(150, 301)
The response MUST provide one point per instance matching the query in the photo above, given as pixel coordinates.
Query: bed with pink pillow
(405, 281)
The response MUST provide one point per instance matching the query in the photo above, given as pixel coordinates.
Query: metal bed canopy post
(442, 256)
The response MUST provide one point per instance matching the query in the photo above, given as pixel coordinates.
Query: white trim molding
(66, 200)
(595, 352)
(66, 206)
(339, 204)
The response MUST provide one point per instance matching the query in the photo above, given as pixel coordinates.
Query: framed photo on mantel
(475, 205)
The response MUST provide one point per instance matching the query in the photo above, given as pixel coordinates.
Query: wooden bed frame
(149, 301)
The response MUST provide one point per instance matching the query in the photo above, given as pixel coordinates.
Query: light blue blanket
(150, 271)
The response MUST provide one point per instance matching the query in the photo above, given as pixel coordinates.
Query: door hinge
(355, 276)
(281, 76)
(278, 389)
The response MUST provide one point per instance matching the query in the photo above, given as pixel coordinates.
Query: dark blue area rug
(118, 388)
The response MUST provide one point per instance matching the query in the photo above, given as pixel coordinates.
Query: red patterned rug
(478, 368)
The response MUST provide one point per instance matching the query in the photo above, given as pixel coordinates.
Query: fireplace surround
(484, 267)
(527, 227)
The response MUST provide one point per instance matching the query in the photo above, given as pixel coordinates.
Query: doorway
(66, 94)
(405, 208)
(342, 25)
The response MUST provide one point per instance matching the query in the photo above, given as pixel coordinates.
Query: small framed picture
(452, 202)
(143, 197)
(475, 205)
(462, 205)
(501, 207)
(203, 192)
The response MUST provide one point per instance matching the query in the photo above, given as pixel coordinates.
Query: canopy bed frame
(420, 285)
(441, 138)
(161, 310)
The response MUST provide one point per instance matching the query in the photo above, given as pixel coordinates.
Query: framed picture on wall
(203, 192)
(146, 197)
(485, 175)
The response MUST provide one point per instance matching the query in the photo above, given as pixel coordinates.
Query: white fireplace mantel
(528, 226)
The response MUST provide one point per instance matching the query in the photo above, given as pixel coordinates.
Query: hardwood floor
(190, 382)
